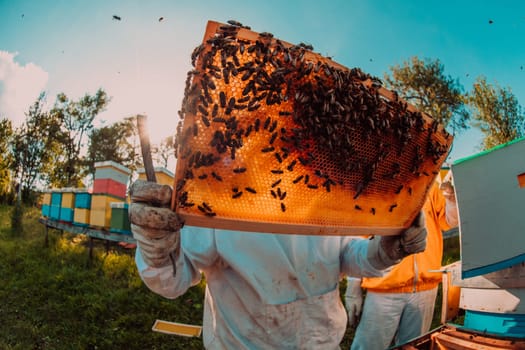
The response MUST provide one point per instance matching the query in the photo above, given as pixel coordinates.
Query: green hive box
(119, 218)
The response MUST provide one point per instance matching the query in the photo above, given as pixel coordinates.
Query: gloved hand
(385, 251)
(153, 224)
(353, 300)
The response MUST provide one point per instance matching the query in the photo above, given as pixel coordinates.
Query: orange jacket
(412, 273)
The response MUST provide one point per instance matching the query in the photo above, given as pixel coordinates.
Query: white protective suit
(270, 291)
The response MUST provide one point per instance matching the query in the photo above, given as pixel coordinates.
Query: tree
(496, 113)
(76, 119)
(424, 84)
(163, 152)
(33, 147)
(6, 159)
(116, 142)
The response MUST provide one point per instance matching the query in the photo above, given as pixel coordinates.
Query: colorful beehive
(56, 204)
(82, 208)
(111, 178)
(119, 218)
(83, 200)
(46, 203)
(163, 175)
(100, 214)
(67, 204)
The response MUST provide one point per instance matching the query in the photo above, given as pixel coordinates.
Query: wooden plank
(185, 330)
(89, 231)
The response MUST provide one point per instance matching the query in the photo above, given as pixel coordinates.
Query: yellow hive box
(163, 175)
(68, 198)
(81, 216)
(101, 209)
(100, 218)
(276, 138)
(46, 198)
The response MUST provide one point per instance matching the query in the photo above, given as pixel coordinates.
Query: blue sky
(141, 61)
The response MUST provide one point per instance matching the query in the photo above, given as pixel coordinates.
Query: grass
(57, 297)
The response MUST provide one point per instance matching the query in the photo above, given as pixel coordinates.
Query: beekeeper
(263, 291)
(400, 305)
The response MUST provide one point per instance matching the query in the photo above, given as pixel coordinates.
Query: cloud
(20, 86)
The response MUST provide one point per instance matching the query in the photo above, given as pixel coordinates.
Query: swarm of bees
(274, 132)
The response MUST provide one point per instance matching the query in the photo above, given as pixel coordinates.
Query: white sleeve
(197, 250)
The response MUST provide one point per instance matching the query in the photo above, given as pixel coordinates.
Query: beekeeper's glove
(153, 224)
(353, 300)
(385, 251)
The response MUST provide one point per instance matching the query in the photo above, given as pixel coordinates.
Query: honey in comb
(276, 138)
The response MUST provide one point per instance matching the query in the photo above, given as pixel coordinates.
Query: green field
(57, 297)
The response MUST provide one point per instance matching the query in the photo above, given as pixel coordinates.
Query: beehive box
(100, 213)
(276, 138)
(119, 221)
(163, 175)
(112, 170)
(490, 192)
(46, 203)
(81, 216)
(83, 200)
(110, 186)
(56, 204)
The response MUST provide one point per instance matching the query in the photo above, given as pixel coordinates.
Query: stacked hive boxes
(82, 208)
(67, 204)
(46, 203)
(56, 204)
(109, 187)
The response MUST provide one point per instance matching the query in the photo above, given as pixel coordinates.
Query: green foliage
(424, 84)
(33, 147)
(6, 159)
(116, 142)
(55, 297)
(496, 113)
(76, 121)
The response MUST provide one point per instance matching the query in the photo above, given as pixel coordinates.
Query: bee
(239, 170)
(216, 176)
(357, 207)
(291, 165)
(297, 179)
(391, 208)
(268, 149)
(278, 157)
(273, 137)
(205, 120)
(283, 207)
(373, 211)
(398, 190)
(276, 183)
(251, 190)
(237, 194)
(222, 98)
(277, 171)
